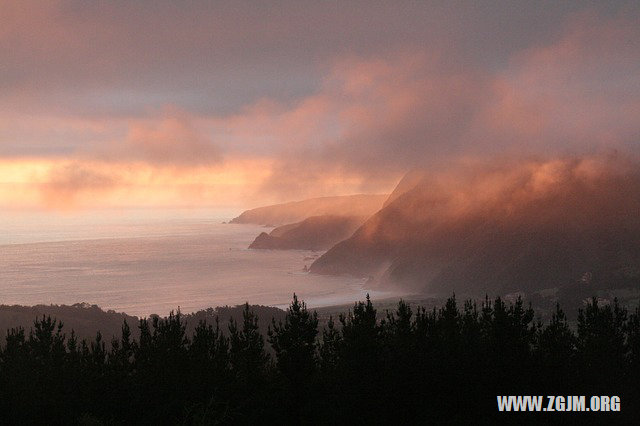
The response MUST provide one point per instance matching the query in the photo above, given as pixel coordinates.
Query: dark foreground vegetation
(421, 366)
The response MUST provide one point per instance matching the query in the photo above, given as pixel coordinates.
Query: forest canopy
(413, 364)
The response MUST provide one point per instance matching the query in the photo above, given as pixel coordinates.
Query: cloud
(121, 58)
(327, 100)
(359, 130)
(68, 185)
(155, 155)
(171, 140)
(580, 93)
(65, 185)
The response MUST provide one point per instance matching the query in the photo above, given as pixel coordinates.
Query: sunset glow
(94, 113)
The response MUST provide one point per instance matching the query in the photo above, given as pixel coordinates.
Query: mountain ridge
(313, 233)
(512, 228)
(297, 211)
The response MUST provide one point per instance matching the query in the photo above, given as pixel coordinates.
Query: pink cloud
(377, 112)
(172, 140)
(581, 92)
(68, 183)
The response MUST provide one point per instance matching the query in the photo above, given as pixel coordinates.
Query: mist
(503, 227)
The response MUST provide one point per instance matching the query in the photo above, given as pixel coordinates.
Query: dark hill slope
(314, 233)
(519, 228)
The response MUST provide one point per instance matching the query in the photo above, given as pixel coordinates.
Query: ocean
(146, 262)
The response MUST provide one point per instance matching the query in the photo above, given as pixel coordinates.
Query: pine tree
(330, 347)
(398, 327)
(209, 346)
(601, 342)
(294, 342)
(361, 362)
(555, 343)
(247, 355)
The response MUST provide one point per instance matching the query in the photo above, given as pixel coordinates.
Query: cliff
(314, 233)
(507, 229)
(293, 212)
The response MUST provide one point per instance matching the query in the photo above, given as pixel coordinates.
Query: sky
(238, 104)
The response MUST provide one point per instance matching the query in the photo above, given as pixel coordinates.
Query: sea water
(143, 262)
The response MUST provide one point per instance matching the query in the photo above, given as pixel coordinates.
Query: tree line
(413, 365)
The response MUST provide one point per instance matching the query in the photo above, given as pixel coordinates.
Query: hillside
(408, 182)
(519, 228)
(313, 233)
(296, 211)
(85, 319)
